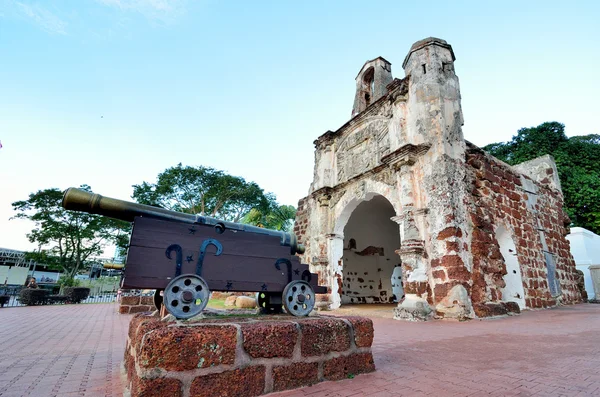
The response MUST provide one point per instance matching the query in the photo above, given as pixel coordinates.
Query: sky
(110, 93)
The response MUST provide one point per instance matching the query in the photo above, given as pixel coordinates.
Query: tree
(70, 237)
(578, 162)
(203, 191)
(278, 217)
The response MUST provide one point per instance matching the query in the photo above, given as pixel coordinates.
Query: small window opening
(352, 244)
(424, 69)
(369, 85)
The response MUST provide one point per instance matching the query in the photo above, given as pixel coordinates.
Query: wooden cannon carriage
(184, 257)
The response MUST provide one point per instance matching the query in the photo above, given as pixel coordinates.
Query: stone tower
(371, 83)
(431, 184)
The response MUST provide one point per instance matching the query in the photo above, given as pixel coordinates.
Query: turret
(434, 97)
(371, 83)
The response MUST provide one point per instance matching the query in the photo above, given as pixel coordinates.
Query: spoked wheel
(186, 296)
(158, 298)
(298, 298)
(269, 302)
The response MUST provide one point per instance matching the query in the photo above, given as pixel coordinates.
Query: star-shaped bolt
(296, 272)
(229, 285)
(264, 287)
(192, 230)
(189, 258)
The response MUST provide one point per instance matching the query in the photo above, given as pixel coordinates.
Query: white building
(585, 248)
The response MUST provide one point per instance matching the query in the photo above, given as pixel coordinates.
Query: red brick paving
(62, 350)
(76, 350)
(550, 353)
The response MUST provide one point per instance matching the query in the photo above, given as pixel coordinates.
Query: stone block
(512, 307)
(489, 309)
(230, 300)
(204, 357)
(242, 382)
(184, 348)
(147, 300)
(363, 331)
(269, 339)
(324, 335)
(130, 367)
(124, 309)
(140, 309)
(161, 387)
(295, 375)
(136, 321)
(245, 302)
(345, 366)
(130, 300)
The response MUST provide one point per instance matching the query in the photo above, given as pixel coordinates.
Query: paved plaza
(76, 350)
(62, 350)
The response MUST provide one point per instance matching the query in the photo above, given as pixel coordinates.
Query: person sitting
(32, 283)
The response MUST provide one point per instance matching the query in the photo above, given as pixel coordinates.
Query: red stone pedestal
(242, 357)
(136, 304)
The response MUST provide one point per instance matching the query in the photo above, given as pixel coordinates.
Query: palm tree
(278, 217)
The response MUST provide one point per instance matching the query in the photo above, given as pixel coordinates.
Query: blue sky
(112, 92)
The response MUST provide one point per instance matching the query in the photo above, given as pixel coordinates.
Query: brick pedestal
(243, 357)
(136, 304)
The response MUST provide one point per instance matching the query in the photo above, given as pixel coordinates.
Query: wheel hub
(186, 296)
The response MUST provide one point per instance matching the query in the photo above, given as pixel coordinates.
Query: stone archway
(365, 251)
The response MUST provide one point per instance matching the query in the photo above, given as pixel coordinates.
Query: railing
(9, 297)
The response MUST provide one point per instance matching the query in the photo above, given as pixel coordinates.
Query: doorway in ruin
(513, 290)
(370, 266)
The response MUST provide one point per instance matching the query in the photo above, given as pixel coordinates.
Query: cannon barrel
(80, 200)
(114, 266)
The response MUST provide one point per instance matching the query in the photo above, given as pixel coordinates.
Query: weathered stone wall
(243, 357)
(461, 214)
(500, 199)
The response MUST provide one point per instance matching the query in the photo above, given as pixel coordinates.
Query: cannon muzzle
(84, 201)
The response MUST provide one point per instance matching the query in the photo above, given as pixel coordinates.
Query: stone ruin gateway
(403, 209)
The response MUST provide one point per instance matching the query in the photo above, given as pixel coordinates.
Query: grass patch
(218, 304)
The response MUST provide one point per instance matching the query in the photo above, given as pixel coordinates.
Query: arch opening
(369, 85)
(370, 267)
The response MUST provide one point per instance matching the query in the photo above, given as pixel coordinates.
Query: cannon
(185, 256)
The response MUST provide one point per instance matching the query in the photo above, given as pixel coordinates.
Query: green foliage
(578, 162)
(69, 237)
(76, 294)
(33, 296)
(204, 191)
(66, 281)
(44, 257)
(277, 217)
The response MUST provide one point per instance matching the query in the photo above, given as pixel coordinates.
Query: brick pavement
(62, 350)
(553, 352)
(76, 350)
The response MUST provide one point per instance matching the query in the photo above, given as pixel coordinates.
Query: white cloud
(43, 18)
(153, 9)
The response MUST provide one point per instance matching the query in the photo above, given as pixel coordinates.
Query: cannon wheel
(186, 296)
(298, 298)
(158, 298)
(267, 302)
